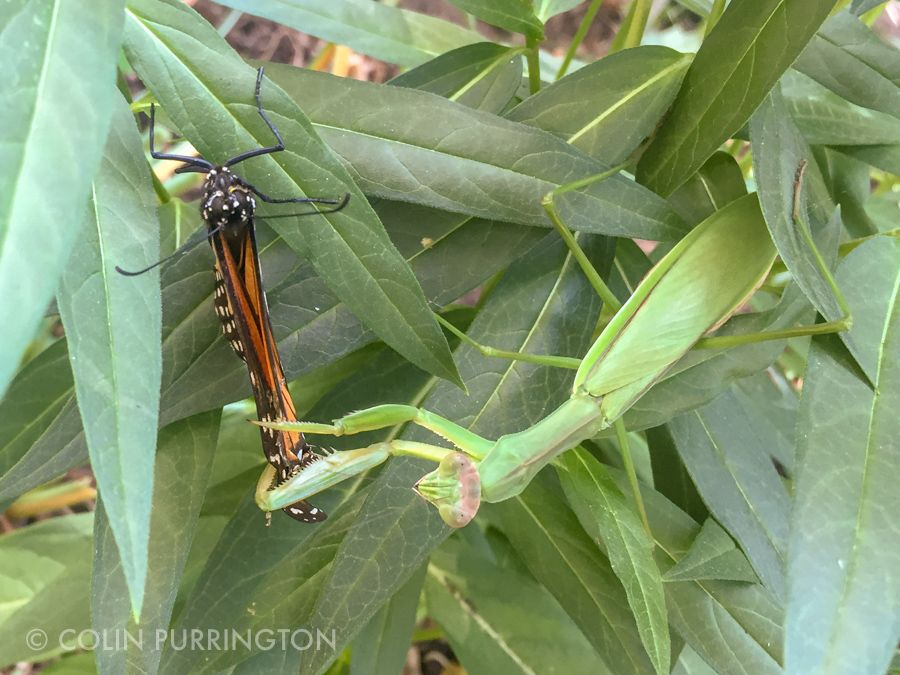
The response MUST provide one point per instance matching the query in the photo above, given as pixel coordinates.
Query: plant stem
(534, 65)
(579, 37)
(632, 29)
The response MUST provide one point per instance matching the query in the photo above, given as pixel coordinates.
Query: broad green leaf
(885, 157)
(848, 184)
(57, 63)
(542, 305)
(182, 468)
(605, 513)
(76, 664)
(451, 157)
(770, 404)
(609, 107)
(670, 477)
(112, 327)
(824, 118)
(734, 626)
(544, 9)
(713, 555)
(752, 44)
(716, 184)
(45, 571)
(690, 663)
(349, 249)
(851, 60)
(391, 34)
(484, 76)
(860, 7)
(42, 392)
(381, 647)
(734, 475)
(561, 556)
(516, 16)
(778, 151)
(470, 595)
(843, 595)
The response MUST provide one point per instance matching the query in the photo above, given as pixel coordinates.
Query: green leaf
(843, 597)
(860, 7)
(182, 468)
(544, 9)
(516, 16)
(770, 403)
(825, 118)
(752, 44)
(670, 477)
(609, 107)
(848, 184)
(484, 76)
(716, 184)
(778, 150)
(605, 513)
(543, 305)
(851, 60)
(544, 531)
(885, 157)
(41, 393)
(57, 61)
(45, 572)
(454, 158)
(381, 647)
(739, 484)
(713, 555)
(76, 664)
(469, 596)
(734, 626)
(112, 327)
(391, 34)
(349, 249)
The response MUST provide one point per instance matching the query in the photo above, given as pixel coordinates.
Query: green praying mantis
(690, 292)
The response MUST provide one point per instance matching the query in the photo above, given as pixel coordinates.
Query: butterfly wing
(241, 306)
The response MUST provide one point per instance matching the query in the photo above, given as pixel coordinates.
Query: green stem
(534, 65)
(714, 15)
(161, 193)
(622, 437)
(579, 37)
(632, 29)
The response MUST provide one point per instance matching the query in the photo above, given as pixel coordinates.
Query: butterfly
(228, 205)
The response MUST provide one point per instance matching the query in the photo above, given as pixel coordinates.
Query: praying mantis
(690, 292)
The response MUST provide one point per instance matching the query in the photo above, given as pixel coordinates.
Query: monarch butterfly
(227, 206)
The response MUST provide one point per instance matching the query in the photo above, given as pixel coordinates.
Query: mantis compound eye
(454, 488)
